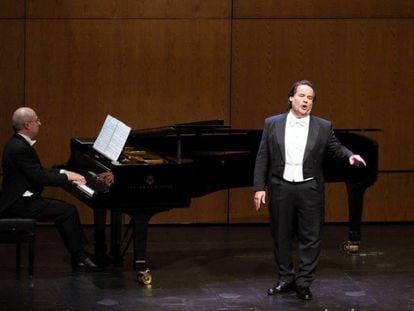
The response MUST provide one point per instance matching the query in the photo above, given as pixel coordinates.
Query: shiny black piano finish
(357, 179)
(358, 144)
(198, 158)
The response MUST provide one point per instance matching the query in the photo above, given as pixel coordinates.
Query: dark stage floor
(217, 268)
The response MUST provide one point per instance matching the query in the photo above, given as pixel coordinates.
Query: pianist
(289, 164)
(23, 182)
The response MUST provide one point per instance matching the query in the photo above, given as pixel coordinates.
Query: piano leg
(99, 233)
(139, 224)
(356, 192)
(101, 256)
(116, 232)
(140, 233)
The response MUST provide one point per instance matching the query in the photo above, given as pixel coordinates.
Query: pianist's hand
(259, 199)
(75, 177)
(357, 160)
(106, 177)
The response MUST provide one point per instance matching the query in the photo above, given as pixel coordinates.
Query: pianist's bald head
(25, 121)
(21, 116)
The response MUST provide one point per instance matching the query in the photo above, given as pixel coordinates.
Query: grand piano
(164, 168)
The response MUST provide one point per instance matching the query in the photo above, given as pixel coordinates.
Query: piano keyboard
(85, 189)
(93, 184)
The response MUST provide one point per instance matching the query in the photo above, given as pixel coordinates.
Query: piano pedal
(350, 248)
(145, 277)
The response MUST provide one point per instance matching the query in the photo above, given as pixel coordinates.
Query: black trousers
(63, 214)
(296, 209)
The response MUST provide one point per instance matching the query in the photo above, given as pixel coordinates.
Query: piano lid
(209, 126)
(357, 130)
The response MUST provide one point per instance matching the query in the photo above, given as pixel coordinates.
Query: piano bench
(18, 231)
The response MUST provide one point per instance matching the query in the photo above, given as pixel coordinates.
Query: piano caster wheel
(145, 277)
(350, 248)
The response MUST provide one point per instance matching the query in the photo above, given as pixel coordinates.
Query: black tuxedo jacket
(322, 142)
(23, 171)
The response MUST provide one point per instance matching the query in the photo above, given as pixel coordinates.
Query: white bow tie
(300, 122)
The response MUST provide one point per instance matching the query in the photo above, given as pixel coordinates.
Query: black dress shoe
(281, 287)
(85, 264)
(303, 293)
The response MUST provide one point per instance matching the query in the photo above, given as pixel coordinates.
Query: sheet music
(112, 138)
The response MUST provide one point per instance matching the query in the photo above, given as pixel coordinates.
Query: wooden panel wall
(11, 63)
(361, 69)
(157, 62)
(157, 9)
(359, 56)
(145, 71)
(332, 9)
(11, 9)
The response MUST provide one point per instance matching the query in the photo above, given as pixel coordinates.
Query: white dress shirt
(296, 137)
(28, 139)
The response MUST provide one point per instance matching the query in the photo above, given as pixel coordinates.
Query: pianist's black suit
(296, 208)
(23, 171)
